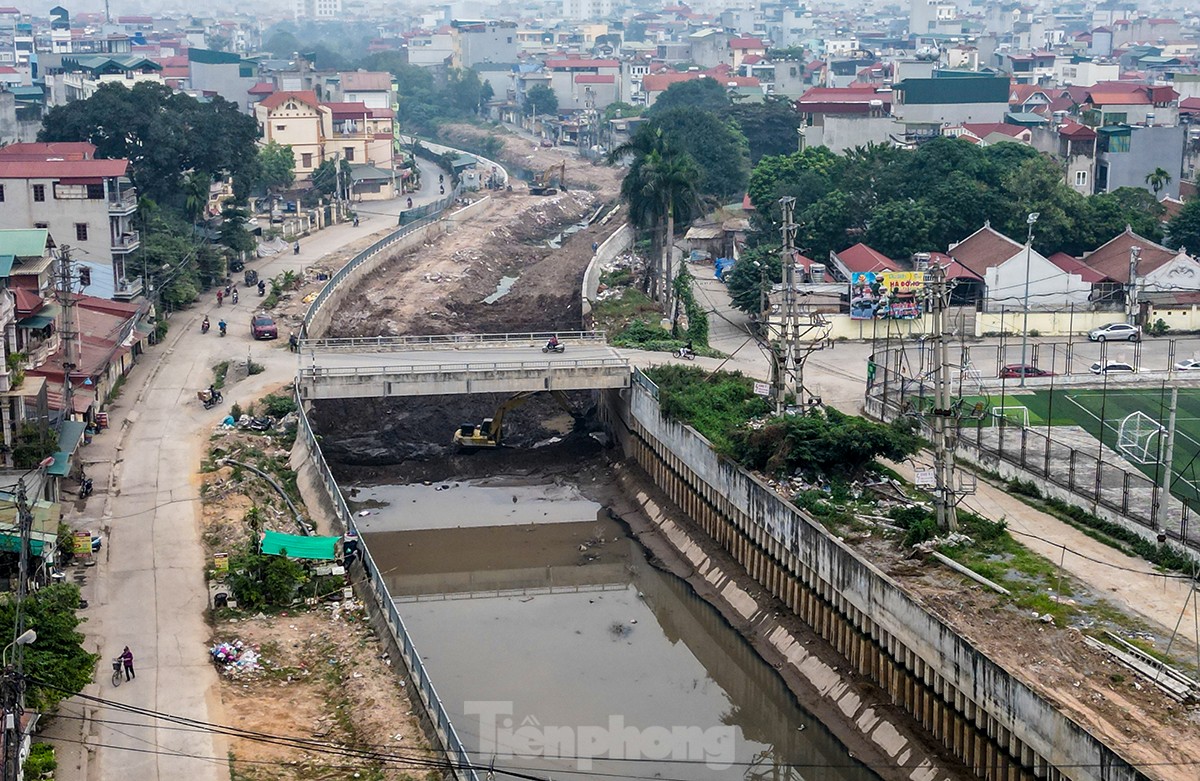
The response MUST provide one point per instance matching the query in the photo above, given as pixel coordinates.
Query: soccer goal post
(1138, 438)
(1011, 415)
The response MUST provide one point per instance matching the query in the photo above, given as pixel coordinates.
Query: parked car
(1115, 332)
(1018, 370)
(1111, 367)
(1187, 364)
(262, 326)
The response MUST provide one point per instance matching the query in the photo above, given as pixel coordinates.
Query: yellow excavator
(546, 183)
(489, 433)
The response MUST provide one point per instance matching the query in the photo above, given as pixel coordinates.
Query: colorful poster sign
(887, 295)
(82, 543)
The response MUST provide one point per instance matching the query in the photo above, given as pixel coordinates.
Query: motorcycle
(210, 399)
(262, 289)
(234, 296)
(554, 348)
(685, 353)
(204, 326)
(222, 326)
(257, 424)
(85, 488)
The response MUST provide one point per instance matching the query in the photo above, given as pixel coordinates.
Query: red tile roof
(657, 82)
(752, 59)
(1112, 258)
(1075, 266)
(984, 249)
(343, 110)
(63, 170)
(860, 259)
(366, 81)
(746, 43)
(307, 97)
(570, 63)
(984, 129)
(1189, 104)
(594, 78)
(954, 269)
(1072, 129)
(55, 150)
(261, 88)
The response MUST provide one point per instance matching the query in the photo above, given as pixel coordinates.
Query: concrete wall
(1045, 323)
(984, 715)
(1149, 148)
(609, 249)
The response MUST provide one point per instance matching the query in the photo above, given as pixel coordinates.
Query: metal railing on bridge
(444, 341)
(542, 364)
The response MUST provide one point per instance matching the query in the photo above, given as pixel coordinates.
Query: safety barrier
(441, 341)
(340, 276)
(457, 757)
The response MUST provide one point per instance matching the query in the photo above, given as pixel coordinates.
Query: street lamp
(25, 638)
(1030, 220)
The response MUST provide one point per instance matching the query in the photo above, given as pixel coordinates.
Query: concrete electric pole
(944, 416)
(67, 329)
(12, 688)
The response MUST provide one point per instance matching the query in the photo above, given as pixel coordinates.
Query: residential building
(85, 203)
(1161, 274)
(317, 9)
(842, 118)
(1084, 71)
(743, 47)
(295, 119)
(584, 83)
(222, 73)
(1074, 145)
(922, 106)
(372, 88)
(1009, 269)
(1117, 103)
(1127, 155)
(583, 10)
(474, 42)
(82, 74)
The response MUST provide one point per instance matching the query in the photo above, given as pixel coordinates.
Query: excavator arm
(490, 432)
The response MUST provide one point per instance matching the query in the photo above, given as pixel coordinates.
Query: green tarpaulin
(297, 547)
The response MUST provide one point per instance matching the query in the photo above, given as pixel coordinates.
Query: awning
(298, 547)
(11, 543)
(70, 433)
(6, 263)
(36, 322)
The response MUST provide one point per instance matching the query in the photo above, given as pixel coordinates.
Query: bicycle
(116, 676)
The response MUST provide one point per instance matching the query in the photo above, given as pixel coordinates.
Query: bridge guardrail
(439, 368)
(384, 343)
(457, 758)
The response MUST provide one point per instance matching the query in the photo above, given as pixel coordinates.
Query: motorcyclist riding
(262, 288)
(234, 295)
(553, 343)
(222, 326)
(204, 326)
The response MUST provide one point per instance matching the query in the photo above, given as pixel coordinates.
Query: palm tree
(196, 186)
(1158, 179)
(659, 188)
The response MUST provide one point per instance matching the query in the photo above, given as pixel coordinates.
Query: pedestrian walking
(127, 661)
(293, 342)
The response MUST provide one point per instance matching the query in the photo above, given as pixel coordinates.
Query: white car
(1112, 367)
(1115, 332)
(1188, 364)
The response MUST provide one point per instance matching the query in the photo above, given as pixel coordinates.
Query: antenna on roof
(107, 14)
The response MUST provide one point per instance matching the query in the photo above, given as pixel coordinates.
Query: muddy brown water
(557, 648)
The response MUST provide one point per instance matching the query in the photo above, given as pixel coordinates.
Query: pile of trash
(235, 658)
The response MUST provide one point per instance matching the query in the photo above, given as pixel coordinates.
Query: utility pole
(782, 350)
(12, 688)
(67, 329)
(943, 426)
(1135, 254)
(1167, 459)
(1030, 220)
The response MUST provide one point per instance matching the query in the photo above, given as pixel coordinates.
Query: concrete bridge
(370, 367)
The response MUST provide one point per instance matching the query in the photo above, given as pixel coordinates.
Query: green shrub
(1159, 328)
(714, 404)
(1025, 488)
(253, 368)
(907, 517)
(41, 762)
(920, 531)
(260, 581)
(277, 405)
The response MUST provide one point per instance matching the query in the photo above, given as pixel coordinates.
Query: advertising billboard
(886, 295)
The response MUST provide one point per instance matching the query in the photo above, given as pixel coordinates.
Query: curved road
(148, 589)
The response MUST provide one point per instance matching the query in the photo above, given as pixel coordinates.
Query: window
(306, 160)
(1081, 178)
(39, 192)
(95, 192)
(281, 128)
(1, 193)
(349, 154)
(41, 225)
(81, 231)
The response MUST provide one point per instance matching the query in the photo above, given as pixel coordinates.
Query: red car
(262, 326)
(1017, 370)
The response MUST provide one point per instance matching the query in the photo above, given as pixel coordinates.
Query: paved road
(148, 590)
(475, 356)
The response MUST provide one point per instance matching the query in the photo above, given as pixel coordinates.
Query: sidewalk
(148, 589)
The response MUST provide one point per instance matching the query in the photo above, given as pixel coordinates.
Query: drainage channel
(558, 648)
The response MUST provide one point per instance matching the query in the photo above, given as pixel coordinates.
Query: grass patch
(715, 404)
(253, 368)
(220, 371)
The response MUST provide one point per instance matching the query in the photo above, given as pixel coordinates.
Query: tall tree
(540, 99)
(660, 188)
(1183, 231)
(58, 657)
(276, 166)
(163, 135)
(770, 127)
(715, 144)
(197, 186)
(1158, 179)
(702, 94)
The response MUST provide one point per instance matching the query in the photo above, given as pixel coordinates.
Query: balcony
(122, 203)
(126, 242)
(127, 289)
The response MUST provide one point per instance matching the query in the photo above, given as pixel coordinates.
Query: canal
(559, 649)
